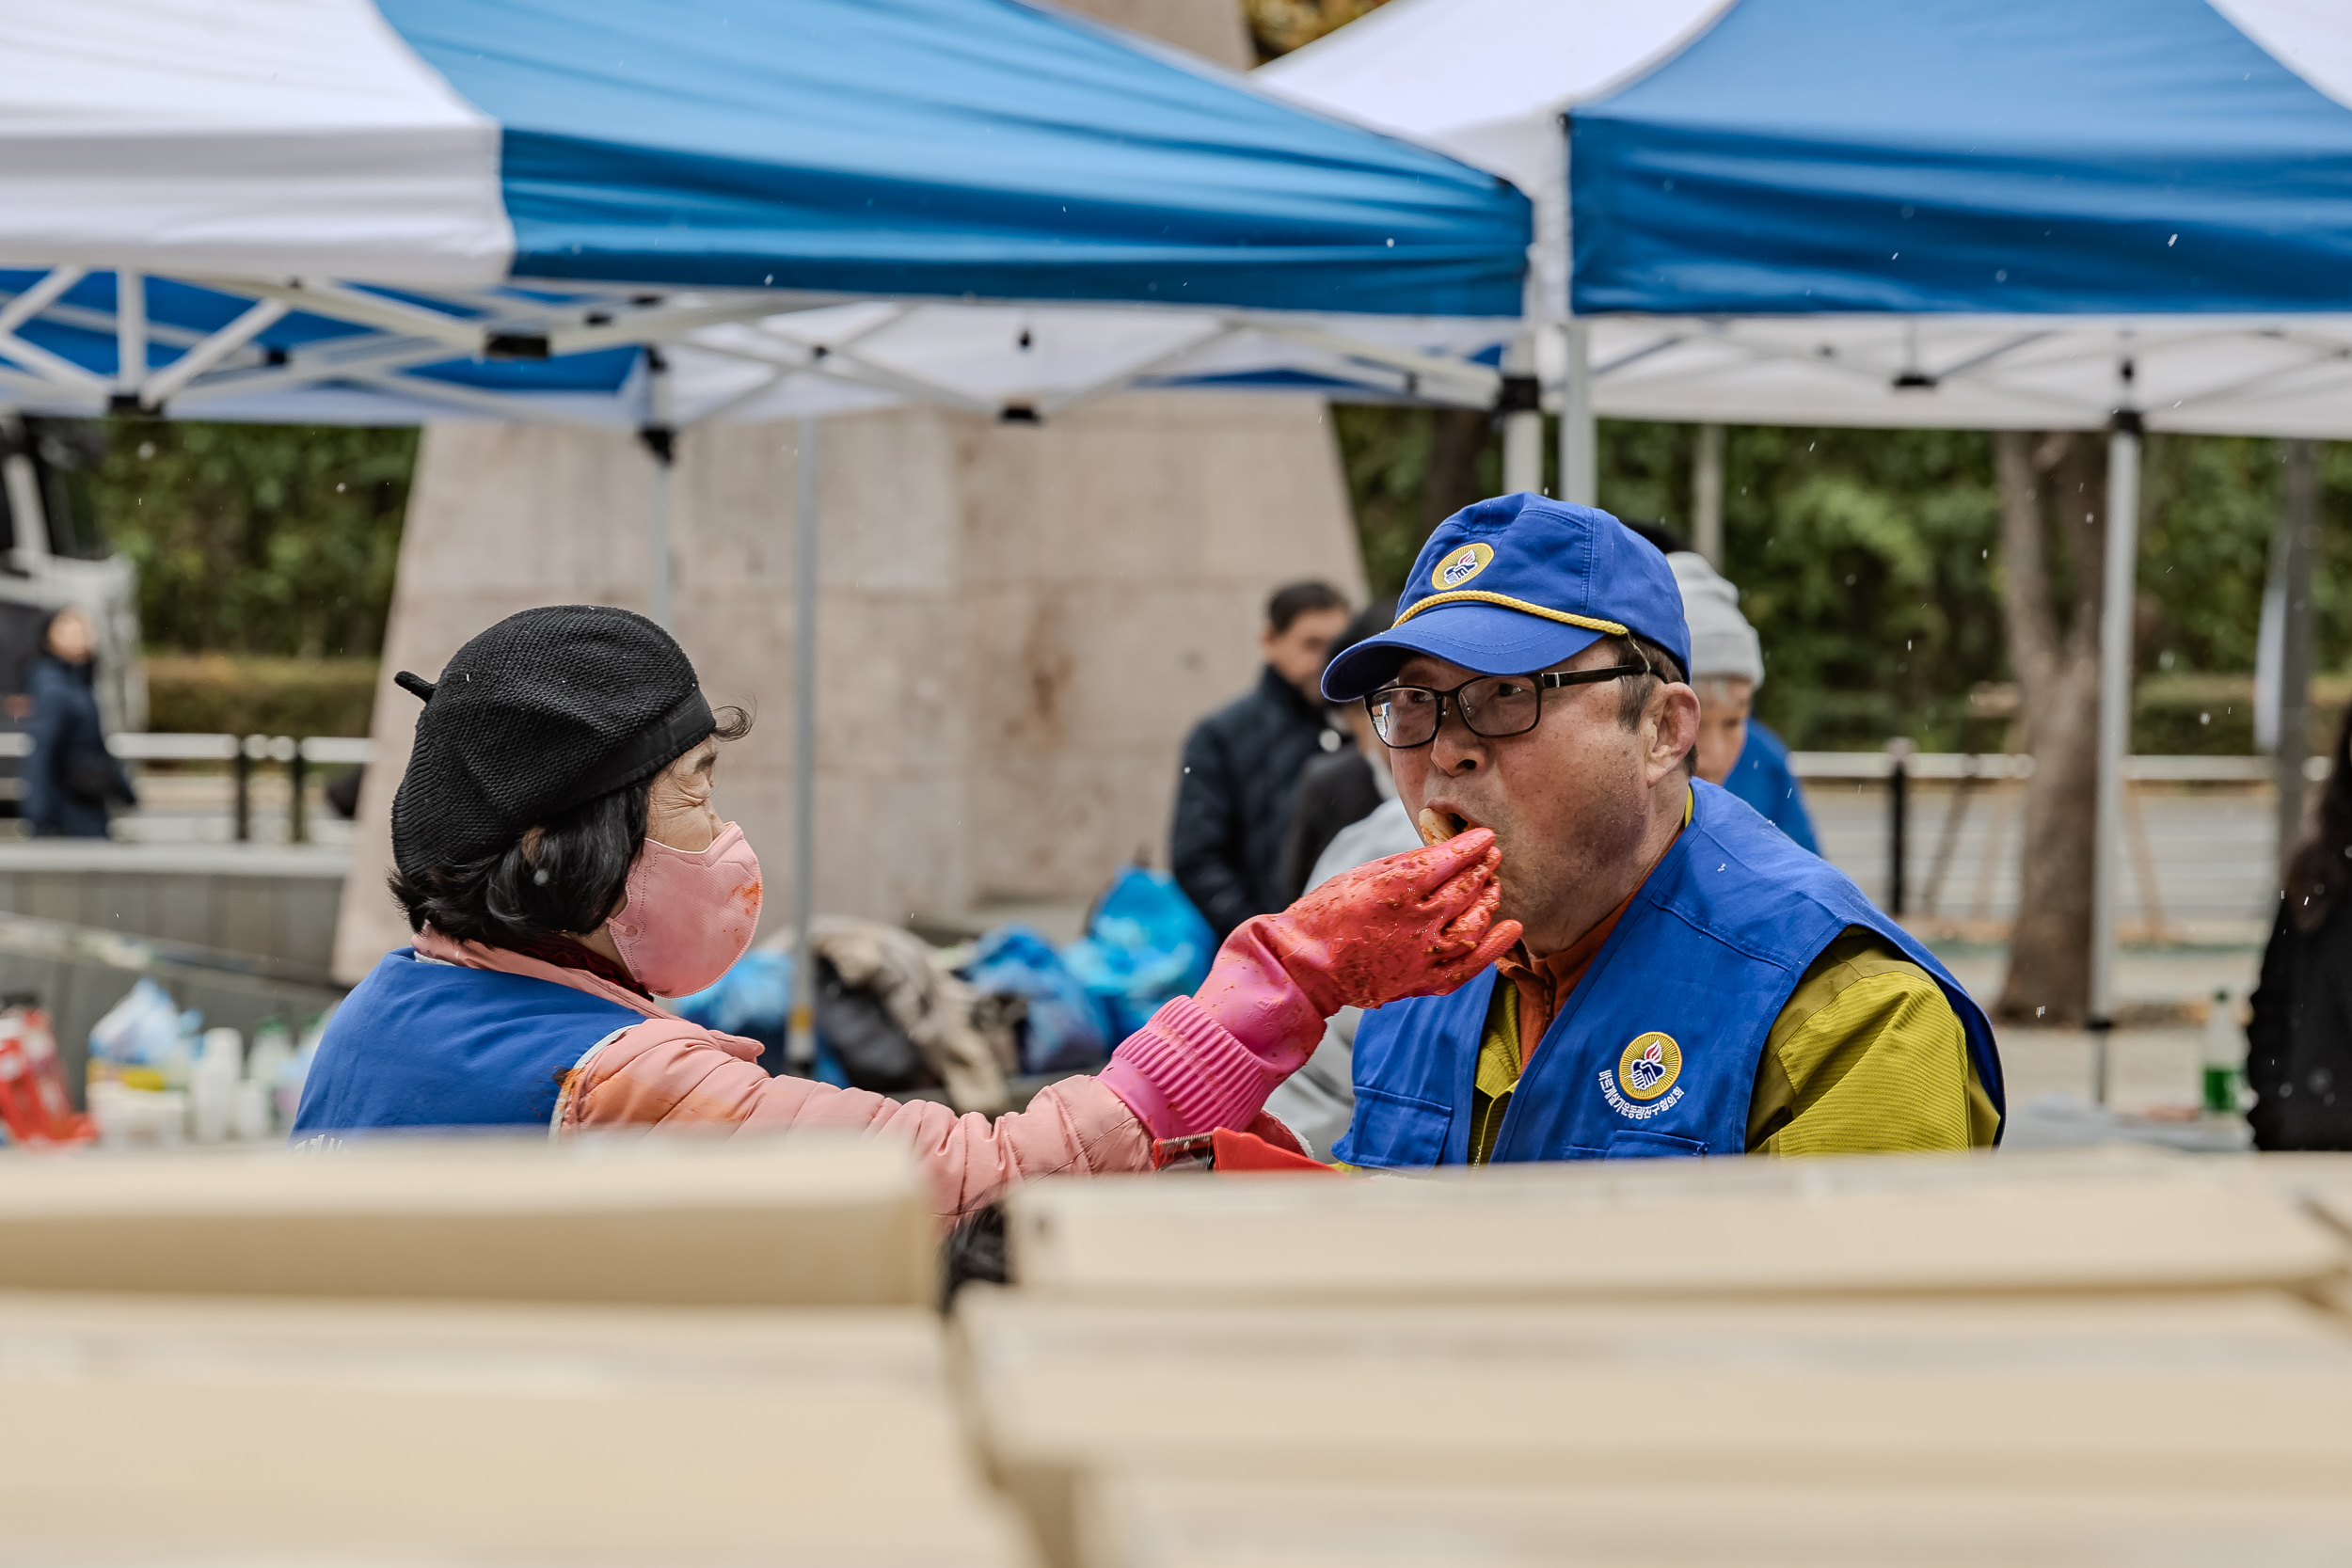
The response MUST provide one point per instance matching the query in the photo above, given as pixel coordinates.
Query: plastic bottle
(296, 1069)
(264, 1065)
(2224, 1054)
(213, 1085)
(249, 1115)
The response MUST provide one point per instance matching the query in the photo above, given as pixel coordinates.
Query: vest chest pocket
(1637, 1143)
(1395, 1132)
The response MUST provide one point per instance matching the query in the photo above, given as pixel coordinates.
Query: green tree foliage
(1387, 452)
(1868, 559)
(258, 539)
(1864, 557)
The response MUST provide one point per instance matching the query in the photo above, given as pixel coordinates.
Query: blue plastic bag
(755, 1001)
(1066, 1029)
(1145, 944)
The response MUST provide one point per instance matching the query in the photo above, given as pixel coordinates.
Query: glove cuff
(1184, 1073)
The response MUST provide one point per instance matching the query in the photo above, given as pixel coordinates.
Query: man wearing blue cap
(1690, 981)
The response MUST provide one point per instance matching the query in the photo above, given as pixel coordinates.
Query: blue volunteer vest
(1655, 1051)
(422, 1044)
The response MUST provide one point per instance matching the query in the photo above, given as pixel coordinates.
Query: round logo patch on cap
(1460, 567)
(1650, 1066)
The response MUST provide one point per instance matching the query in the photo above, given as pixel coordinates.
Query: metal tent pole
(1580, 459)
(799, 1050)
(1707, 494)
(2115, 725)
(661, 440)
(1523, 410)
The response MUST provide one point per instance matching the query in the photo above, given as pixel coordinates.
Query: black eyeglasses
(1495, 706)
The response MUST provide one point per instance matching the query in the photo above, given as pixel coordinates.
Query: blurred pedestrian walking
(71, 779)
(1339, 788)
(2299, 1059)
(1241, 763)
(1726, 667)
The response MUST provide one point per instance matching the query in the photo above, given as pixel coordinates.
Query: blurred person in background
(71, 779)
(2298, 1057)
(1339, 788)
(1241, 763)
(560, 858)
(1735, 750)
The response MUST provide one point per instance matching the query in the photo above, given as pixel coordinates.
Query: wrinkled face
(1724, 705)
(1299, 650)
(1568, 800)
(677, 804)
(70, 637)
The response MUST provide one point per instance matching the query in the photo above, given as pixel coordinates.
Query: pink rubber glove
(1418, 923)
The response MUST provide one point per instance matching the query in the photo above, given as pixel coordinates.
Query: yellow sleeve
(1866, 1057)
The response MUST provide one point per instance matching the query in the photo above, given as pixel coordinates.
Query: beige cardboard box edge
(1864, 1225)
(798, 1220)
(210, 1429)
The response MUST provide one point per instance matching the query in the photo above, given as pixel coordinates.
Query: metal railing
(297, 754)
(1999, 765)
(1899, 766)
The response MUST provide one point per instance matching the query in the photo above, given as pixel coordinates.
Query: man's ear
(1673, 728)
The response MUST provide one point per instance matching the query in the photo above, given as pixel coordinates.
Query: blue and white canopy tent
(334, 210)
(1953, 213)
(652, 214)
(2118, 214)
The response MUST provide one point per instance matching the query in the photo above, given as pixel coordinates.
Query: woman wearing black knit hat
(560, 862)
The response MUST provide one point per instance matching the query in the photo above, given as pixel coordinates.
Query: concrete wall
(1214, 29)
(1017, 623)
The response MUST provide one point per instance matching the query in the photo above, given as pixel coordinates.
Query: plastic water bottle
(2224, 1058)
(213, 1086)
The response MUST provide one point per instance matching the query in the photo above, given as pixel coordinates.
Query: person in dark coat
(2298, 1058)
(1339, 788)
(1240, 764)
(70, 778)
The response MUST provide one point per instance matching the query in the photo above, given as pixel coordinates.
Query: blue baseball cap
(1516, 584)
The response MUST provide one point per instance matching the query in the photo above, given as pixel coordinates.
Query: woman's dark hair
(565, 876)
(2316, 876)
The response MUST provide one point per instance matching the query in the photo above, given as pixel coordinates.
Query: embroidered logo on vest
(1646, 1071)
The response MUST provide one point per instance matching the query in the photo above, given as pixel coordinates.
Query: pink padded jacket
(668, 1073)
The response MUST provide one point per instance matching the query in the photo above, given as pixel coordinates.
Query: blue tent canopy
(388, 210)
(946, 147)
(2003, 156)
(1974, 213)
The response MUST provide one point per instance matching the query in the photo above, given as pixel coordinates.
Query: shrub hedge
(250, 694)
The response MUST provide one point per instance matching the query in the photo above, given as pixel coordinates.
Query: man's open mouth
(1437, 824)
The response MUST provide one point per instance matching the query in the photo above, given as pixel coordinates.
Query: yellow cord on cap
(1476, 596)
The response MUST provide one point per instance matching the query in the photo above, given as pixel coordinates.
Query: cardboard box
(2058, 1222)
(2199, 1394)
(159, 1429)
(1132, 1521)
(799, 1221)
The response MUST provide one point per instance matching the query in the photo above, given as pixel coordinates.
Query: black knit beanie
(545, 711)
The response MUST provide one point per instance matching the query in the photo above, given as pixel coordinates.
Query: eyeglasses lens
(1499, 705)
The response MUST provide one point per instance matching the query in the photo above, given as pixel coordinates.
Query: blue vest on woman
(1656, 1050)
(425, 1044)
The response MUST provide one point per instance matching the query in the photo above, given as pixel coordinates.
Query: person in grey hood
(1735, 750)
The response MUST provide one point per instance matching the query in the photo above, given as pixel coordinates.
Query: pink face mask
(688, 916)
